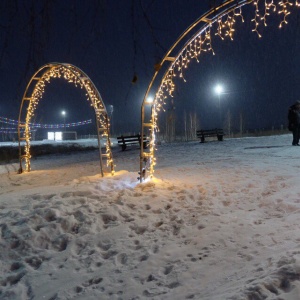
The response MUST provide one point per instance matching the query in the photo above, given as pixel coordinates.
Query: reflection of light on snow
(122, 180)
(128, 183)
(148, 179)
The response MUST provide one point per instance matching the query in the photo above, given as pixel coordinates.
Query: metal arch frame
(208, 19)
(102, 119)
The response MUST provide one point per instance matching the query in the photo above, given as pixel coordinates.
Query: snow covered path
(220, 220)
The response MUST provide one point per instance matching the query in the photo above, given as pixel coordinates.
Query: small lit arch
(182, 53)
(34, 92)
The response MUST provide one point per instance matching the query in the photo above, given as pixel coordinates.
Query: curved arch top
(225, 16)
(34, 92)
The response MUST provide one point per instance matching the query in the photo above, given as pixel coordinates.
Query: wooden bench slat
(123, 141)
(218, 132)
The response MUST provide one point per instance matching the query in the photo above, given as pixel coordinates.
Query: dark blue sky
(111, 41)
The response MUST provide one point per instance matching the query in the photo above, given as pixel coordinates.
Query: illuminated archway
(219, 21)
(34, 92)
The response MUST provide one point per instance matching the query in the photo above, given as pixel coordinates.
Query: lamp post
(219, 91)
(64, 115)
(150, 100)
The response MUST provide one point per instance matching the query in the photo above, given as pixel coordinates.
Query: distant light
(150, 99)
(55, 136)
(58, 136)
(219, 89)
(63, 113)
(51, 136)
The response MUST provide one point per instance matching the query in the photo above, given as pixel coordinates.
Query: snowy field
(220, 220)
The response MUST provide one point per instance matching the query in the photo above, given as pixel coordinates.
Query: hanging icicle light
(223, 26)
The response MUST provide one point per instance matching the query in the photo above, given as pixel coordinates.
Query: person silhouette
(294, 122)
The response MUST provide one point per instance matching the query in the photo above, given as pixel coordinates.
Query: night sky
(114, 41)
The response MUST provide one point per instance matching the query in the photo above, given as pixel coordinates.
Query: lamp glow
(150, 100)
(219, 89)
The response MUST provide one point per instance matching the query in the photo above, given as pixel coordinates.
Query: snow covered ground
(220, 220)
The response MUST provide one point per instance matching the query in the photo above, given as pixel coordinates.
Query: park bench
(202, 134)
(129, 140)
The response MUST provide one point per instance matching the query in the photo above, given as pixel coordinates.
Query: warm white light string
(202, 42)
(74, 76)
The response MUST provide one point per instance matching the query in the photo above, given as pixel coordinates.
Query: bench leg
(123, 147)
(202, 139)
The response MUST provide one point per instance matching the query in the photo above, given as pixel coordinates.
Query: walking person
(294, 122)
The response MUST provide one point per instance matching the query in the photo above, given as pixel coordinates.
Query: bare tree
(186, 138)
(190, 122)
(241, 123)
(193, 125)
(228, 122)
(32, 22)
(170, 124)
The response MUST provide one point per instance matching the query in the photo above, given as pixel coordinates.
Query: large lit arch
(34, 92)
(219, 21)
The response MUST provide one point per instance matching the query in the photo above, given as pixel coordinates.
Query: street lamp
(219, 90)
(64, 115)
(110, 111)
(149, 100)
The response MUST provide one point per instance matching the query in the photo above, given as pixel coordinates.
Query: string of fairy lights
(7, 130)
(70, 74)
(76, 77)
(222, 26)
(35, 126)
